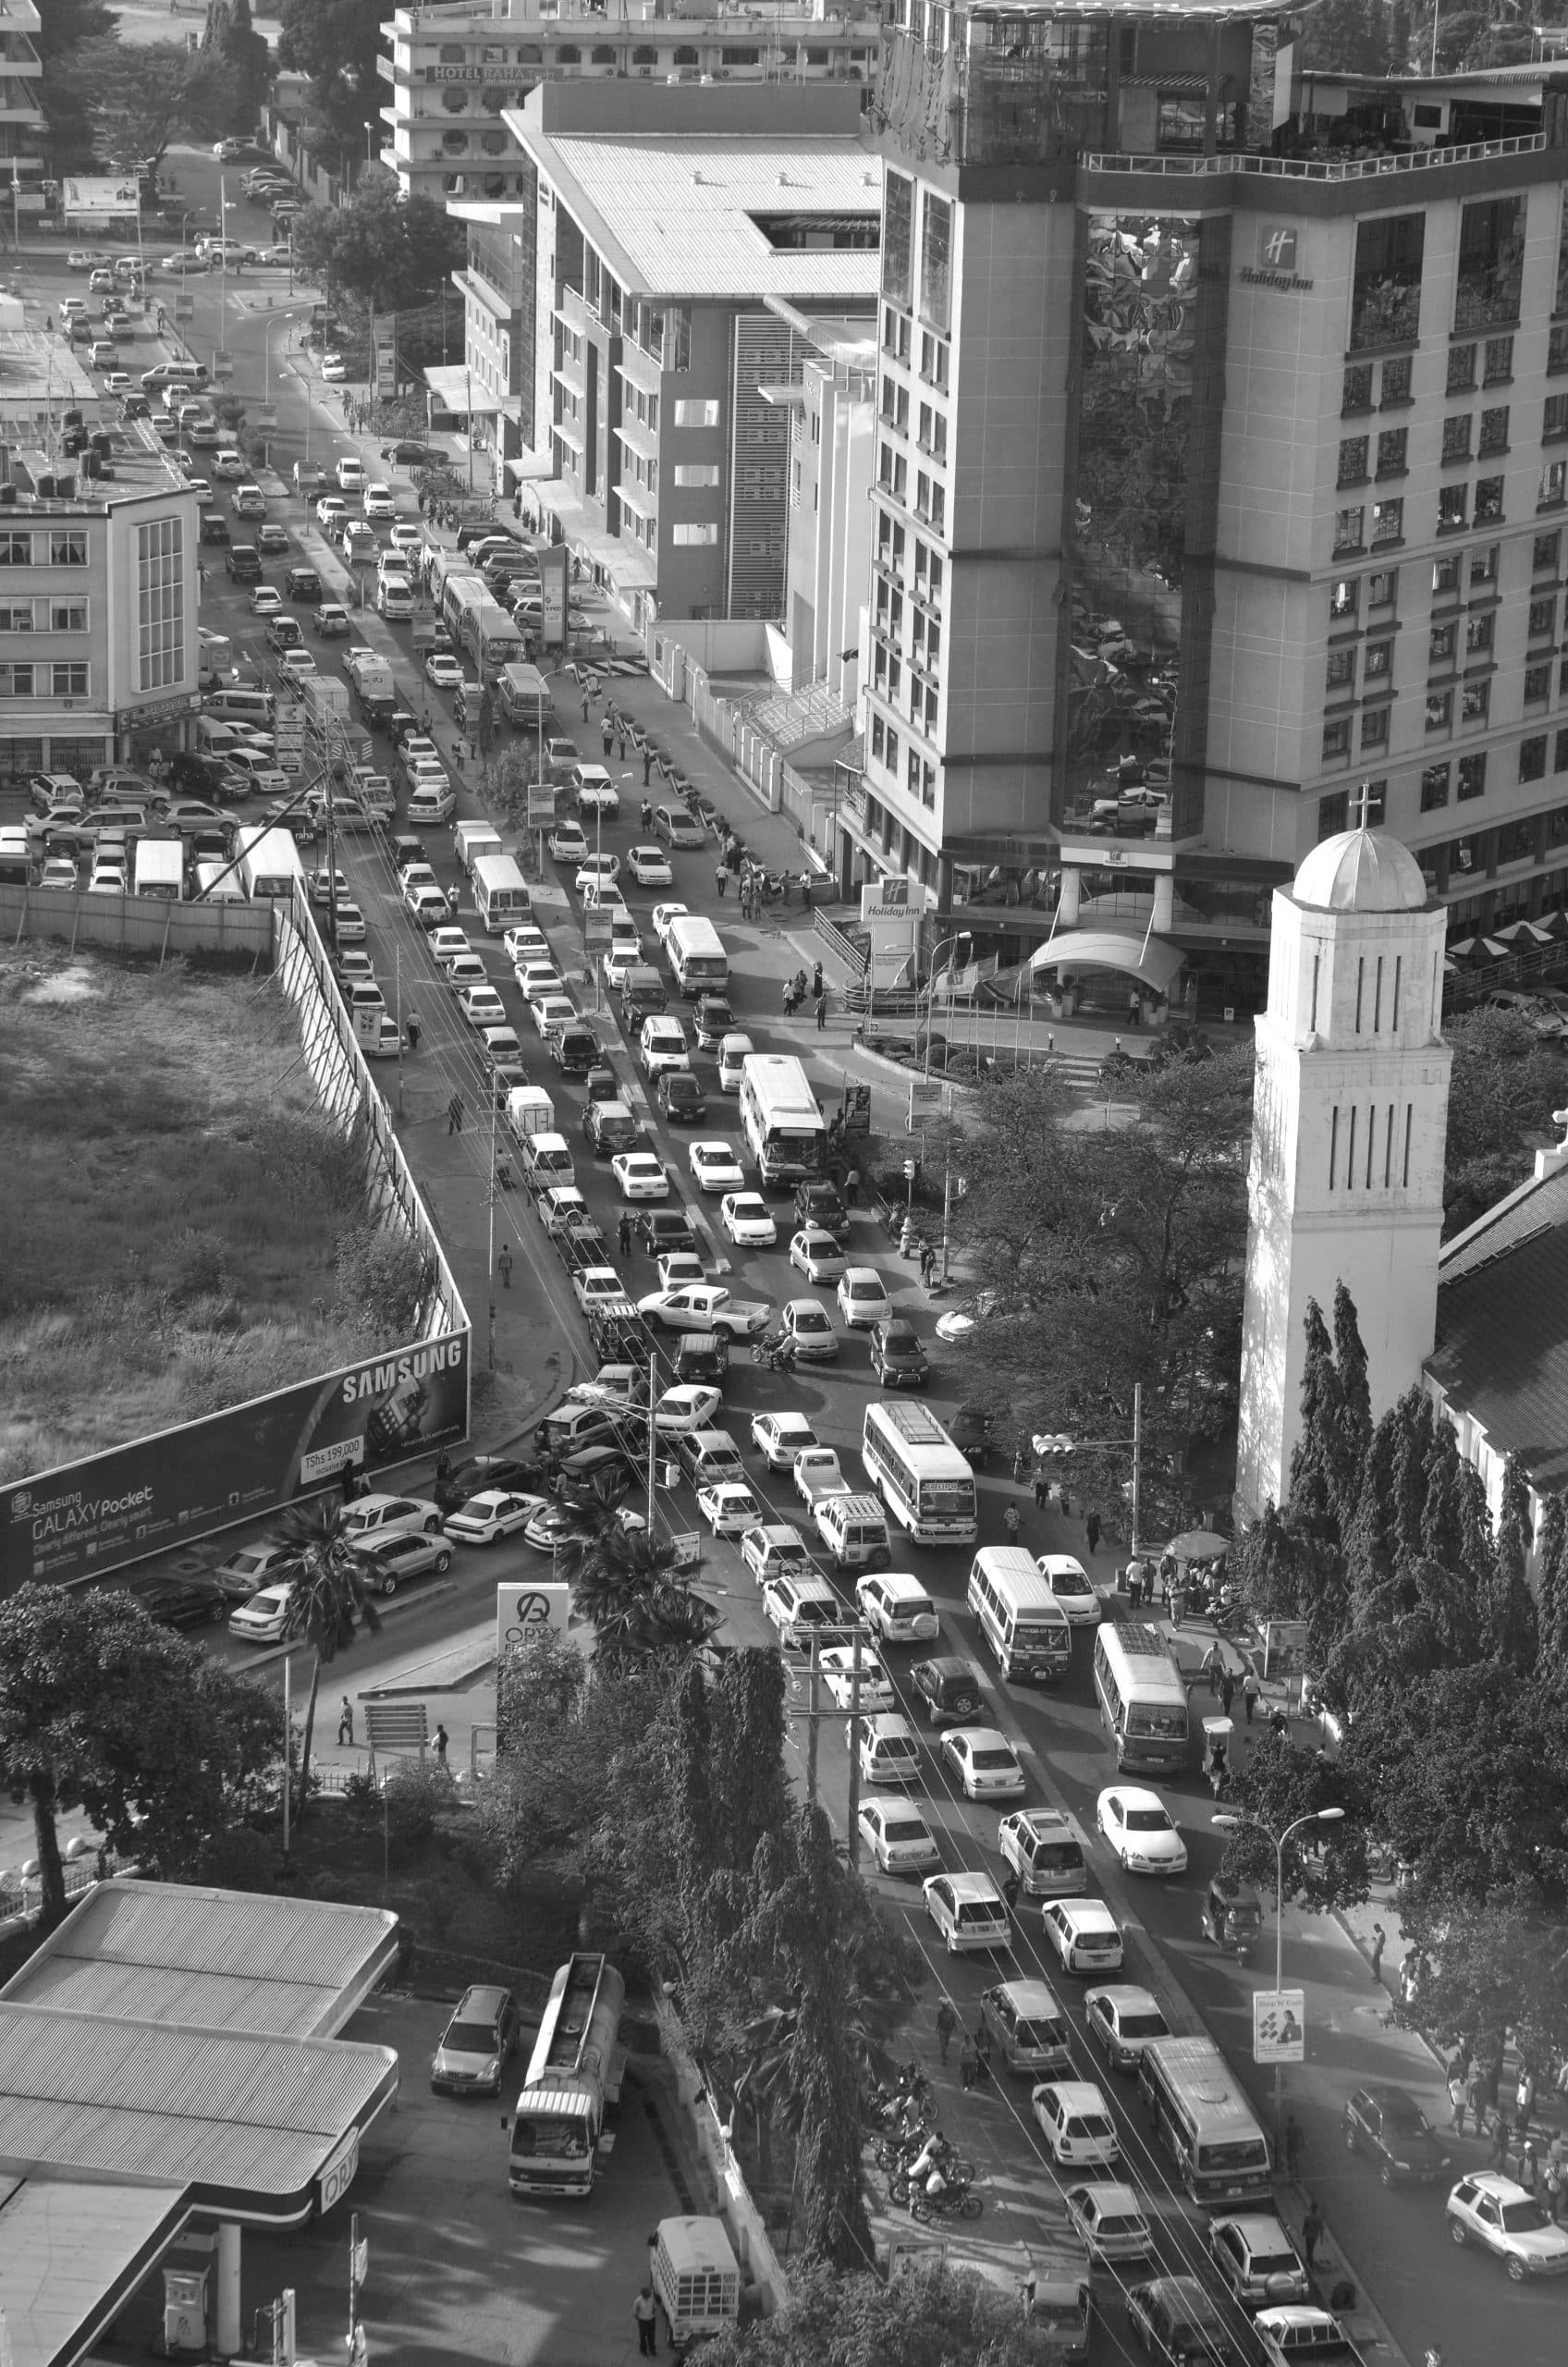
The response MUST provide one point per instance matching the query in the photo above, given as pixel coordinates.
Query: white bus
(500, 891)
(925, 1481)
(1202, 2112)
(784, 1128)
(1142, 1695)
(697, 958)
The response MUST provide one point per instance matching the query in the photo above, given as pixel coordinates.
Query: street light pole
(1231, 1823)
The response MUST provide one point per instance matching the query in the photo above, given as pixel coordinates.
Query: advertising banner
(555, 568)
(525, 1611)
(90, 1517)
(101, 200)
(1278, 2025)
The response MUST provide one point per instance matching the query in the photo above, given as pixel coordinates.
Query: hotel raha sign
(1276, 262)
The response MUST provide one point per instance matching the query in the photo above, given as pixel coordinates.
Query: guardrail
(1315, 169)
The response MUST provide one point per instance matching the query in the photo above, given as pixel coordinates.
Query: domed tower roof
(1361, 871)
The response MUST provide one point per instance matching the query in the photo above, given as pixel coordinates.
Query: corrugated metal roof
(68, 2252)
(210, 1959)
(673, 216)
(243, 2123)
(1503, 1354)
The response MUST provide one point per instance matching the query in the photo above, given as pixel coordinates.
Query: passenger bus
(575, 2071)
(1203, 2116)
(697, 958)
(1142, 1697)
(925, 1482)
(493, 639)
(784, 1129)
(460, 595)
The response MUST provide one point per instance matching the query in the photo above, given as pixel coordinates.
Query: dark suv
(681, 1097)
(819, 1204)
(898, 1357)
(243, 562)
(610, 1126)
(643, 996)
(301, 583)
(574, 1052)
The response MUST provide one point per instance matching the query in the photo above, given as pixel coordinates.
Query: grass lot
(172, 1203)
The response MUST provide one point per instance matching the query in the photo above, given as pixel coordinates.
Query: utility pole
(398, 1017)
(491, 1259)
(853, 1818)
(653, 1438)
(813, 1714)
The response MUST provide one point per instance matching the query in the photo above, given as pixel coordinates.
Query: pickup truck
(705, 1306)
(817, 1474)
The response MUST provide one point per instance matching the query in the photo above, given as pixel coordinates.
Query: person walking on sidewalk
(1092, 1531)
(1457, 2097)
(1311, 2233)
(1213, 1667)
(1227, 1692)
(442, 1739)
(645, 2311)
(822, 1011)
(1251, 1690)
(947, 2022)
(648, 765)
(720, 878)
(345, 1721)
(623, 1232)
(505, 1263)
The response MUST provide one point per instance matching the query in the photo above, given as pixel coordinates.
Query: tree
(230, 38)
(338, 43)
(1325, 1865)
(1552, 1609)
(101, 1709)
(328, 1599)
(63, 27)
(1346, 37)
(384, 248)
(930, 2316)
(142, 96)
(626, 1588)
(1503, 1088)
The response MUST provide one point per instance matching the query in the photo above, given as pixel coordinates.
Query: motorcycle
(775, 1351)
(954, 2201)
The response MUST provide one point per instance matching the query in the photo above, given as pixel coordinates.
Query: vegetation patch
(183, 1229)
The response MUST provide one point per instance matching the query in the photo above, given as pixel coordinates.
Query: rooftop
(1501, 1356)
(1360, 871)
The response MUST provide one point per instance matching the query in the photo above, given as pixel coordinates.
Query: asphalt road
(1425, 2291)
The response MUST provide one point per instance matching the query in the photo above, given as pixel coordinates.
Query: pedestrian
(1042, 1492)
(1279, 1724)
(1474, 2096)
(1063, 1505)
(621, 744)
(1166, 1572)
(505, 1263)
(1092, 1531)
(927, 1264)
(816, 978)
(1498, 2154)
(413, 1030)
(1295, 2145)
(720, 880)
(947, 2022)
(455, 1114)
(346, 1481)
(454, 899)
(585, 707)
(441, 1741)
(1525, 2096)
(1551, 2179)
(1226, 1692)
(1311, 2233)
(645, 2311)
(1132, 1578)
(345, 1721)
(1010, 1523)
(648, 765)
(983, 2050)
(1134, 1010)
(967, 2063)
(645, 814)
(1251, 1690)
(624, 1234)
(1017, 1464)
(1010, 1889)
(1530, 2167)
(821, 1011)
(1457, 2099)
(1213, 1667)
(606, 735)
(851, 1186)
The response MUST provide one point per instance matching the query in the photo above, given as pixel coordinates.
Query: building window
(1375, 728)
(1483, 566)
(696, 472)
(1434, 787)
(1549, 492)
(70, 681)
(1456, 440)
(1341, 669)
(1386, 297)
(1352, 459)
(1475, 702)
(936, 261)
(1491, 263)
(1488, 501)
(1532, 758)
(1494, 431)
(1341, 601)
(1472, 775)
(1442, 644)
(685, 536)
(1560, 752)
(1497, 361)
(1336, 739)
(69, 548)
(1453, 506)
(1396, 381)
(1387, 523)
(1393, 445)
(1557, 351)
(1478, 634)
(1461, 369)
(1348, 529)
(16, 682)
(1382, 588)
(451, 52)
(160, 604)
(1333, 814)
(1538, 685)
(696, 412)
(898, 237)
(1554, 419)
(454, 102)
(1542, 619)
(1357, 391)
(1544, 552)
(1439, 710)
(1445, 578)
(1379, 661)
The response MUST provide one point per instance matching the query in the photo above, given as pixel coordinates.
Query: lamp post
(1229, 1823)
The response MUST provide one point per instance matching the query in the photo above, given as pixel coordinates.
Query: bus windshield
(554, 2137)
(1148, 1718)
(1238, 2154)
(950, 1499)
(1028, 1637)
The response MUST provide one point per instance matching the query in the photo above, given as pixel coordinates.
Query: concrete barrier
(753, 2246)
(138, 924)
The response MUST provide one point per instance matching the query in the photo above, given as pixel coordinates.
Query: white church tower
(1349, 1123)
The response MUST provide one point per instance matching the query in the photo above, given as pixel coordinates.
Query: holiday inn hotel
(1222, 470)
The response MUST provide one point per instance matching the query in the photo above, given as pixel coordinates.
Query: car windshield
(1239, 2153)
(470, 2038)
(1147, 1821)
(1524, 2219)
(243, 1564)
(865, 1289)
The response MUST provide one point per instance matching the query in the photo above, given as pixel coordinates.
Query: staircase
(791, 719)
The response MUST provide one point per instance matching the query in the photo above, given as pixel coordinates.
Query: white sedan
(1138, 1826)
(686, 1408)
(266, 601)
(330, 510)
(985, 1762)
(486, 1518)
(836, 1665)
(595, 870)
(748, 1219)
(482, 1007)
(650, 868)
(863, 1298)
(728, 1508)
(596, 1284)
(639, 1175)
(817, 1255)
(527, 944)
(663, 916)
(333, 368)
(406, 536)
(715, 1167)
(443, 671)
(781, 1437)
(1069, 1583)
(615, 964)
(551, 1011)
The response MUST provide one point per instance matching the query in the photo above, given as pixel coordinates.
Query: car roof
(482, 1998)
(1029, 1996)
(982, 1737)
(902, 1583)
(1086, 1911)
(971, 1886)
(1257, 2226)
(1125, 1996)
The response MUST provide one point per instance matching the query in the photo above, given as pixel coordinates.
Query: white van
(530, 1110)
(733, 1054)
(241, 706)
(1028, 2024)
(547, 1162)
(697, 957)
(1020, 1618)
(160, 868)
(218, 883)
(470, 839)
(854, 1530)
(214, 737)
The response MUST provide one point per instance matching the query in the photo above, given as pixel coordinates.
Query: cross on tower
(1361, 806)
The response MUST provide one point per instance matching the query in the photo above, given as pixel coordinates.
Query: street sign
(540, 803)
(425, 636)
(1278, 2025)
(687, 1548)
(223, 363)
(597, 930)
(184, 307)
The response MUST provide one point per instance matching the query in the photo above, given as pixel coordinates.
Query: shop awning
(1150, 959)
(450, 383)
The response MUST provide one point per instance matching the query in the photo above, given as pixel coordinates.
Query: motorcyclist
(932, 2155)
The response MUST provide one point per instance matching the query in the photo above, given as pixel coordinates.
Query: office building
(453, 71)
(22, 129)
(1223, 467)
(643, 340)
(98, 595)
(832, 410)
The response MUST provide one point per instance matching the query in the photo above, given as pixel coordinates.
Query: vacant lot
(173, 1207)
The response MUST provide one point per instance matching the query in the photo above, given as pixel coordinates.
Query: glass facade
(1386, 299)
(1144, 498)
(1491, 263)
(897, 239)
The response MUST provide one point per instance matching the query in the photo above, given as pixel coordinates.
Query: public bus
(575, 2070)
(925, 1481)
(480, 626)
(460, 594)
(1142, 1697)
(784, 1129)
(1204, 2118)
(697, 959)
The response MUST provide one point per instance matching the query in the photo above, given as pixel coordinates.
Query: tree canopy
(929, 2317)
(139, 97)
(1502, 1094)
(338, 43)
(386, 249)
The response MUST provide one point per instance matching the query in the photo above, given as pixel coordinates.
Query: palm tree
(626, 1586)
(327, 1600)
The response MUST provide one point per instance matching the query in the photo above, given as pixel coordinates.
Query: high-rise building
(22, 129)
(1221, 469)
(454, 69)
